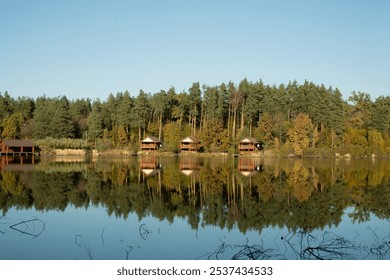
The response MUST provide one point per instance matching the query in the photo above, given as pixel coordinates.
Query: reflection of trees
(299, 182)
(50, 190)
(296, 194)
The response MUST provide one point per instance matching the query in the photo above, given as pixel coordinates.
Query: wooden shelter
(189, 144)
(150, 144)
(248, 145)
(17, 147)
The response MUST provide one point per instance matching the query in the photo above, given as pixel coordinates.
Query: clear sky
(93, 48)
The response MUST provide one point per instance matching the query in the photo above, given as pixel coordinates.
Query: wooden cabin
(248, 145)
(150, 144)
(190, 144)
(17, 147)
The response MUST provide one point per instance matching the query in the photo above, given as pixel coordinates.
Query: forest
(302, 119)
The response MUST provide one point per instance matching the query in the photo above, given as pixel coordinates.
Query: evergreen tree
(159, 103)
(194, 101)
(380, 115)
(79, 111)
(42, 116)
(95, 121)
(124, 111)
(140, 113)
(61, 123)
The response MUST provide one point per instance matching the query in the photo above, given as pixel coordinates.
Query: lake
(194, 208)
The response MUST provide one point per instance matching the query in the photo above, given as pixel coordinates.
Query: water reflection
(299, 196)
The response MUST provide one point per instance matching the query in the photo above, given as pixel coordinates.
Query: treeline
(304, 119)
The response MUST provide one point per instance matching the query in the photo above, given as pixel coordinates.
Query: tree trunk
(234, 123)
(250, 128)
(139, 135)
(242, 117)
(160, 126)
(228, 124)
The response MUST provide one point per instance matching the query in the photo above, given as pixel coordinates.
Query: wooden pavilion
(248, 145)
(17, 147)
(150, 144)
(189, 144)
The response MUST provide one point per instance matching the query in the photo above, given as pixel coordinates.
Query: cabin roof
(18, 143)
(249, 140)
(190, 139)
(151, 139)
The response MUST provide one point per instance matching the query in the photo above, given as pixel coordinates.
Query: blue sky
(94, 48)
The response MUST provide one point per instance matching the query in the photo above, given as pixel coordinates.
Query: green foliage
(376, 141)
(11, 126)
(247, 109)
(265, 130)
(380, 115)
(356, 137)
(300, 133)
(173, 133)
(95, 122)
(122, 136)
(214, 137)
(140, 113)
(52, 118)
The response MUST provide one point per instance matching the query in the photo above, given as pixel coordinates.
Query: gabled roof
(249, 140)
(18, 143)
(151, 139)
(190, 139)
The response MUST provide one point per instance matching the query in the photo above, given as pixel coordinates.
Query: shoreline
(121, 153)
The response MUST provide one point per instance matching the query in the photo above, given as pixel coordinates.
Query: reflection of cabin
(149, 165)
(248, 145)
(248, 166)
(19, 147)
(150, 144)
(188, 165)
(11, 163)
(189, 144)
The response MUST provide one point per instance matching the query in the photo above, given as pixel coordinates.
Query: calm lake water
(194, 208)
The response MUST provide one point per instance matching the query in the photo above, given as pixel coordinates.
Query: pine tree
(95, 122)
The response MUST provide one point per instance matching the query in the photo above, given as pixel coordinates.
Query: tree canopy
(270, 113)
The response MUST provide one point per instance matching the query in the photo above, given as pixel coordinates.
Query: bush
(63, 143)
